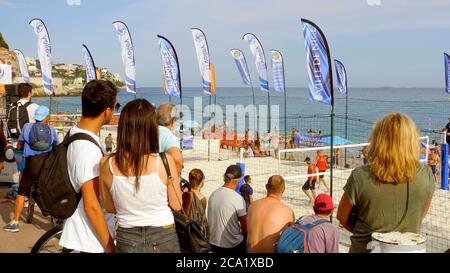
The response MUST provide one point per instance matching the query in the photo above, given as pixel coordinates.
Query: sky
(396, 43)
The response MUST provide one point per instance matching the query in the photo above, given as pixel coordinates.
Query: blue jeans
(147, 240)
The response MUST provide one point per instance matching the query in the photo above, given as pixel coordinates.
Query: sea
(428, 107)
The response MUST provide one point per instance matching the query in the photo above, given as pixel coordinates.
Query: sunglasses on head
(117, 106)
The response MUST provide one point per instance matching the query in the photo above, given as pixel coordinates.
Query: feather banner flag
(170, 67)
(201, 48)
(212, 78)
(126, 44)
(91, 71)
(241, 64)
(23, 66)
(277, 70)
(318, 64)
(341, 76)
(44, 53)
(260, 60)
(447, 73)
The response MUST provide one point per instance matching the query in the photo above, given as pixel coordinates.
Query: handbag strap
(170, 178)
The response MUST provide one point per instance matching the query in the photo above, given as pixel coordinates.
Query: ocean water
(429, 107)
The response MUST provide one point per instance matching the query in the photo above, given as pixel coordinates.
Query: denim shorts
(147, 240)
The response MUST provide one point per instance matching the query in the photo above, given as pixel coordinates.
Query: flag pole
(209, 134)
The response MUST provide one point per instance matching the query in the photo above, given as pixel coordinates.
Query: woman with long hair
(393, 191)
(134, 184)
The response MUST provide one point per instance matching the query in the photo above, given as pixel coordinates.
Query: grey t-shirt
(225, 206)
(323, 238)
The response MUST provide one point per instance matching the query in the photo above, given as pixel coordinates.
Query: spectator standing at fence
(109, 143)
(322, 165)
(268, 217)
(247, 191)
(37, 140)
(434, 160)
(394, 191)
(310, 183)
(90, 228)
(297, 138)
(168, 142)
(227, 216)
(324, 237)
(446, 130)
(135, 186)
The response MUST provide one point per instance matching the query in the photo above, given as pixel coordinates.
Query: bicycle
(49, 242)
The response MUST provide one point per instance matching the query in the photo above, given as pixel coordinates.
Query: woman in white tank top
(134, 184)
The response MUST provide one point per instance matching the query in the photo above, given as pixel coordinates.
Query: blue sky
(398, 43)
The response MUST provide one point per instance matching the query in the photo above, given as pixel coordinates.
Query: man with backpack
(37, 140)
(90, 228)
(268, 217)
(314, 233)
(18, 114)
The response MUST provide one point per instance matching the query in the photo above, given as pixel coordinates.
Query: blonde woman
(393, 192)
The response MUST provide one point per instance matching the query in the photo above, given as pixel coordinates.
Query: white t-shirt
(83, 158)
(225, 206)
(31, 109)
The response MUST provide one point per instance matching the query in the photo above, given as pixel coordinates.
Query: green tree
(3, 42)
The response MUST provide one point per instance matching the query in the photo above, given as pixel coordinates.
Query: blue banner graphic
(128, 60)
(170, 67)
(318, 64)
(44, 53)
(447, 73)
(23, 66)
(260, 60)
(241, 64)
(277, 70)
(201, 48)
(91, 73)
(341, 76)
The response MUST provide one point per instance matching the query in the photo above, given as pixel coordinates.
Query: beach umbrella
(336, 140)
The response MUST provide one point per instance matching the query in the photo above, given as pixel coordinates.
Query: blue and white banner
(170, 67)
(44, 53)
(318, 64)
(126, 45)
(260, 60)
(23, 66)
(91, 72)
(341, 76)
(5, 74)
(277, 70)
(241, 64)
(201, 47)
(447, 73)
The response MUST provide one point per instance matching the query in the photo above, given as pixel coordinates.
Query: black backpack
(53, 191)
(16, 118)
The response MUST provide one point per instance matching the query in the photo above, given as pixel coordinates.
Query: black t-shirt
(246, 190)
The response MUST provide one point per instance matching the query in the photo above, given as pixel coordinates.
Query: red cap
(323, 202)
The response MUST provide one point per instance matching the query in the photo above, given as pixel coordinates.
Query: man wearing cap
(268, 217)
(324, 237)
(227, 215)
(33, 162)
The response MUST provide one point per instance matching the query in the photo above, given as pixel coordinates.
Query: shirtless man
(267, 218)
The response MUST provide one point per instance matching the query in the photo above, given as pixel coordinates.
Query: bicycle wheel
(30, 210)
(49, 242)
